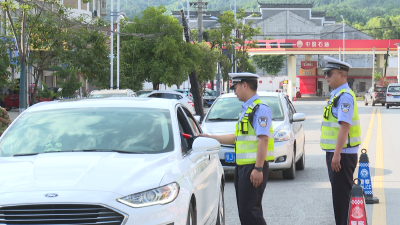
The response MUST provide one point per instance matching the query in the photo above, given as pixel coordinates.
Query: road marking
(367, 137)
(379, 210)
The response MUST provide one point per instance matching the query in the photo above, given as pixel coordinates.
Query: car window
(178, 97)
(184, 128)
(230, 108)
(394, 89)
(168, 96)
(192, 122)
(126, 129)
(290, 109)
(94, 95)
(380, 89)
(155, 95)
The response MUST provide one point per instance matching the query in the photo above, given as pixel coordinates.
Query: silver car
(287, 124)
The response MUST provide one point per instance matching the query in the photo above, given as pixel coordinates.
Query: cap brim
(327, 69)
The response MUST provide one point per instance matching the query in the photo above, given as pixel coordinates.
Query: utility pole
(200, 21)
(118, 20)
(373, 68)
(343, 36)
(398, 62)
(197, 98)
(111, 45)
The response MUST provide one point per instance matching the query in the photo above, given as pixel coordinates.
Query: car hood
(229, 127)
(90, 171)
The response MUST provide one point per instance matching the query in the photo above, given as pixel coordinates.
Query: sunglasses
(328, 73)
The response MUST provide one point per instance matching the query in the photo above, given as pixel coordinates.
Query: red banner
(309, 64)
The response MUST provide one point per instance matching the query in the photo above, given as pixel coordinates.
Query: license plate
(229, 157)
(210, 103)
(396, 96)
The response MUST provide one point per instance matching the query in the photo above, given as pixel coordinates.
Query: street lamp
(343, 36)
(398, 62)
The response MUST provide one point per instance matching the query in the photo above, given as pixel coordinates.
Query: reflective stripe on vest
(330, 126)
(246, 141)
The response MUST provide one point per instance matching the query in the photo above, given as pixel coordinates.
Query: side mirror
(204, 146)
(298, 117)
(197, 118)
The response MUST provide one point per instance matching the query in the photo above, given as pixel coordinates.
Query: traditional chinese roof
(318, 13)
(194, 13)
(251, 13)
(285, 5)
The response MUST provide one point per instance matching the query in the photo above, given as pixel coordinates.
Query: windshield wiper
(111, 150)
(25, 154)
(223, 119)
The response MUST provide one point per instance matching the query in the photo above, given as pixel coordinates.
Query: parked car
(143, 93)
(11, 100)
(375, 95)
(393, 95)
(182, 98)
(186, 92)
(109, 161)
(112, 93)
(209, 97)
(288, 128)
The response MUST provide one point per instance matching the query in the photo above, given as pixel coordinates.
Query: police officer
(4, 120)
(340, 136)
(253, 148)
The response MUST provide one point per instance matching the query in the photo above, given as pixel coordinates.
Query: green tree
(165, 58)
(272, 64)
(5, 47)
(207, 66)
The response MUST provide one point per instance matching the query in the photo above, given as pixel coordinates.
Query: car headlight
(161, 195)
(282, 135)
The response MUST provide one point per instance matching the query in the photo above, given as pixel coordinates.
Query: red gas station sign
(308, 64)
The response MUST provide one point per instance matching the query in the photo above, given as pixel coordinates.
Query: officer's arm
(342, 136)
(262, 150)
(227, 139)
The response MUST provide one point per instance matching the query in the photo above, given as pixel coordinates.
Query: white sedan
(182, 98)
(287, 125)
(109, 161)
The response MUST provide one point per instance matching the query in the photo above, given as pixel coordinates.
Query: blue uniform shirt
(262, 114)
(344, 112)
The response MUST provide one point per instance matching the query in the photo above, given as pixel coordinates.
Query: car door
(295, 126)
(210, 174)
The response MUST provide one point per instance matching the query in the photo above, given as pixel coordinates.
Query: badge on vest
(262, 120)
(345, 107)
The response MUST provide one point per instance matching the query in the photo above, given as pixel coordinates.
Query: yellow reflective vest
(330, 126)
(246, 141)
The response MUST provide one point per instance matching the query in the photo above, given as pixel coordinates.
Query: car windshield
(98, 129)
(380, 89)
(210, 93)
(230, 108)
(394, 89)
(107, 95)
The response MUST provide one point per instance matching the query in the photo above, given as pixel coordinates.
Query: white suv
(393, 95)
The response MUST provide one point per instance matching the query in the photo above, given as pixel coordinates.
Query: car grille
(60, 214)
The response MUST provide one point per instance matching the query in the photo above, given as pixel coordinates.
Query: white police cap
(242, 77)
(332, 63)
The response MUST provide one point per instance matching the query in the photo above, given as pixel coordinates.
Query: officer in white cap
(340, 136)
(253, 148)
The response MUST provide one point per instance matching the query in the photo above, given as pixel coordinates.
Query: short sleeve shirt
(344, 112)
(262, 117)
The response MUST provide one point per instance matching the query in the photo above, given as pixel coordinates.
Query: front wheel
(8, 108)
(387, 106)
(291, 172)
(373, 103)
(191, 218)
(383, 104)
(221, 207)
(365, 102)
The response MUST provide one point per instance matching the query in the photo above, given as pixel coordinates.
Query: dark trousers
(248, 197)
(341, 183)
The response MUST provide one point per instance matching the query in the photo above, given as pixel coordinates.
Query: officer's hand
(335, 164)
(203, 135)
(256, 178)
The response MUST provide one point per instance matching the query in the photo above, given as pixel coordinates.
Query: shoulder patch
(345, 107)
(262, 120)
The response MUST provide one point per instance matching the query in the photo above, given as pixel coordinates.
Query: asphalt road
(307, 199)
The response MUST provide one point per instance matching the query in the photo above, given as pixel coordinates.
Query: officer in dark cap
(340, 136)
(253, 148)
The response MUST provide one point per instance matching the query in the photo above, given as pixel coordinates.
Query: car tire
(373, 103)
(383, 104)
(387, 106)
(301, 164)
(8, 108)
(291, 172)
(365, 102)
(221, 208)
(191, 218)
